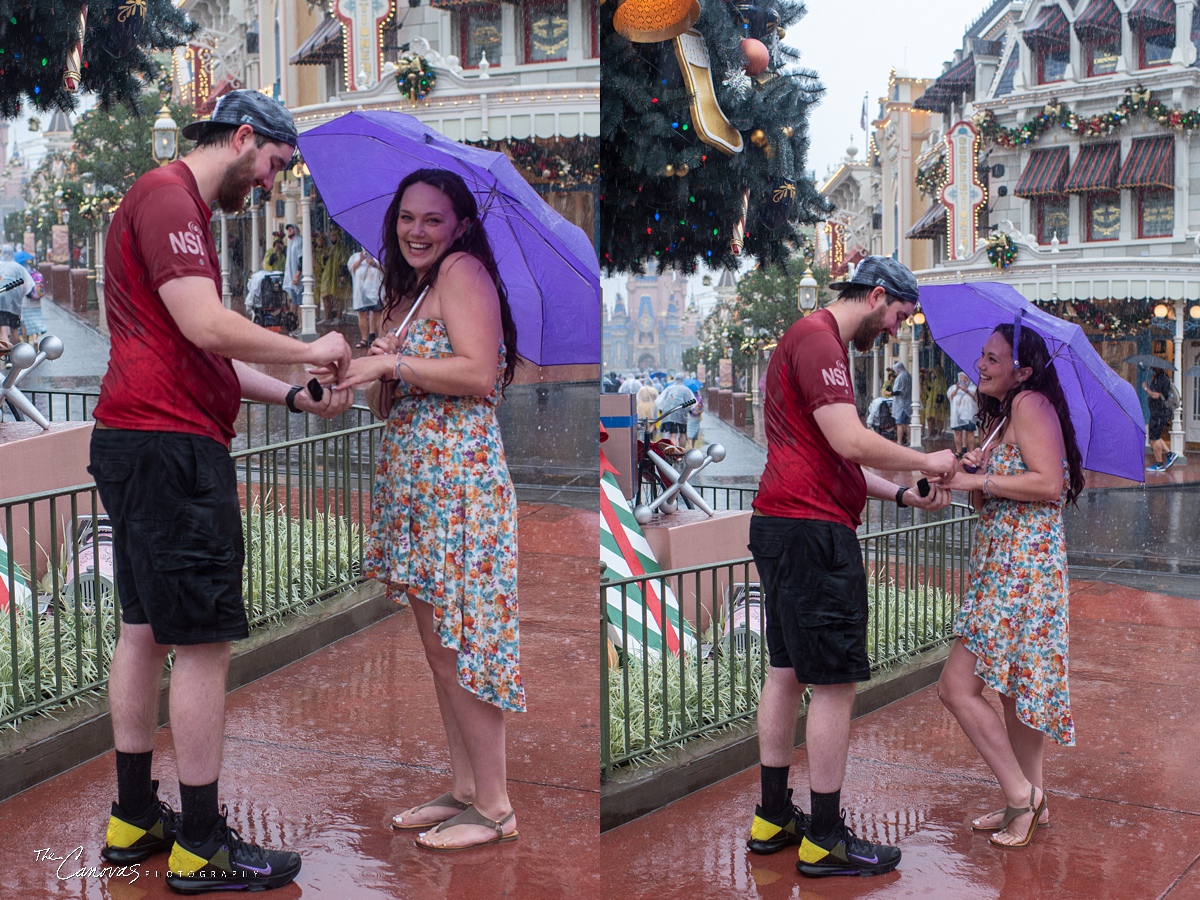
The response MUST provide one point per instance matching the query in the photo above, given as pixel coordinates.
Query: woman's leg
(475, 732)
(1029, 746)
(961, 691)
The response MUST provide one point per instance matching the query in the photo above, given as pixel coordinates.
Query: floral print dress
(444, 523)
(1014, 615)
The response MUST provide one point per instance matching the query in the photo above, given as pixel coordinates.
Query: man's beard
(869, 329)
(236, 184)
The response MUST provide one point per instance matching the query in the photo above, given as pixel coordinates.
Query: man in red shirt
(160, 456)
(803, 539)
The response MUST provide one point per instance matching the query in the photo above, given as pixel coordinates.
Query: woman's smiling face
(426, 226)
(995, 366)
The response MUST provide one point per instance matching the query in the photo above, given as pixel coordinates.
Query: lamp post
(807, 300)
(166, 137)
(915, 428)
(308, 309)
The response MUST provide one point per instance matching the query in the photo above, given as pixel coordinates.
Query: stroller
(880, 418)
(271, 304)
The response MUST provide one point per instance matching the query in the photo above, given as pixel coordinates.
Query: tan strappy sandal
(1011, 813)
(975, 826)
(447, 799)
(471, 816)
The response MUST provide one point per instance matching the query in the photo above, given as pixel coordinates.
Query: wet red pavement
(321, 754)
(1125, 802)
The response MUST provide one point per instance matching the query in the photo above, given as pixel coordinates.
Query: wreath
(1001, 250)
(414, 77)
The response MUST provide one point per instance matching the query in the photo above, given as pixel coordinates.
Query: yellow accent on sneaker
(763, 830)
(810, 852)
(122, 834)
(184, 862)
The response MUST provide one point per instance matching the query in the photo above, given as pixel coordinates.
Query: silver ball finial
(716, 452)
(693, 459)
(51, 345)
(22, 356)
(642, 514)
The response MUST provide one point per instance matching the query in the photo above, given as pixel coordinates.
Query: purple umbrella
(1105, 410)
(549, 266)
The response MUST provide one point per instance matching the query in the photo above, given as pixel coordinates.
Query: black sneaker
(843, 853)
(132, 840)
(771, 834)
(224, 862)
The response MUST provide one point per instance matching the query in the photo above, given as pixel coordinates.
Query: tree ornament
(758, 137)
(739, 83)
(738, 241)
(776, 206)
(710, 123)
(72, 75)
(781, 33)
(758, 59)
(759, 22)
(125, 21)
(788, 131)
(682, 169)
(650, 21)
(668, 170)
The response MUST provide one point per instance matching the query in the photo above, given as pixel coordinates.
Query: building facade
(650, 326)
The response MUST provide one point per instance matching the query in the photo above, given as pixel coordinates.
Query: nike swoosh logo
(873, 860)
(263, 871)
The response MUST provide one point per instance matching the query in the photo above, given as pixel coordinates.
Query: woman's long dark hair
(1034, 354)
(400, 283)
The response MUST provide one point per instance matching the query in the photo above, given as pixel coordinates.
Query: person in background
(277, 257)
(674, 426)
(13, 299)
(630, 385)
(901, 402)
(647, 399)
(694, 414)
(963, 407)
(1157, 392)
(933, 399)
(336, 285)
(367, 278)
(293, 264)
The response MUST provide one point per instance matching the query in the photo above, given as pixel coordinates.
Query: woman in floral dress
(444, 534)
(1012, 628)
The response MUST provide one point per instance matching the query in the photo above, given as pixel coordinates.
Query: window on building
(1052, 65)
(479, 34)
(1155, 47)
(1102, 56)
(1156, 213)
(1053, 219)
(1103, 216)
(546, 30)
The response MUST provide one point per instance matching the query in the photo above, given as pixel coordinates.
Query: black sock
(826, 812)
(134, 791)
(774, 790)
(199, 809)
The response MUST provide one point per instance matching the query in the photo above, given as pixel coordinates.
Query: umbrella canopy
(694, 384)
(1192, 372)
(549, 266)
(1153, 362)
(1104, 409)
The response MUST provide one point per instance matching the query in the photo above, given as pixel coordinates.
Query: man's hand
(330, 352)
(332, 403)
(941, 465)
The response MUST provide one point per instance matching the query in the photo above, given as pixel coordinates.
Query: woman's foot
(430, 814)
(1020, 828)
(470, 829)
(993, 820)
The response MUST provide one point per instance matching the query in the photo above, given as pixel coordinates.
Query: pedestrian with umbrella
(1012, 627)
(444, 534)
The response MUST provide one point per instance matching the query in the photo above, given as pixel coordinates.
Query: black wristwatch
(291, 398)
(900, 498)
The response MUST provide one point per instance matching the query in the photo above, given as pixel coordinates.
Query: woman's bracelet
(400, 364)
(987, 486)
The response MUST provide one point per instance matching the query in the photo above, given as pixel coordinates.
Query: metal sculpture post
(24, 360)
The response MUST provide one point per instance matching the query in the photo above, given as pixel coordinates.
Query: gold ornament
(682, 169)
(758, 137)
(781, 33)
(788, 131)
(669, 170)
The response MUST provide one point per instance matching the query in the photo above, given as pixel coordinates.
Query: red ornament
(758, 58)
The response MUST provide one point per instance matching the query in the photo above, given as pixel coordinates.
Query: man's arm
(196, 307)
(262, 387)
(849, 438)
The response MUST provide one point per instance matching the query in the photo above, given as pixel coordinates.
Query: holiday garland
(414, 77)
(1001, 250)
(1056, 113)
(931, 178)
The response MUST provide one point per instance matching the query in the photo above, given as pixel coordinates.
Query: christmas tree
(675, 191)
(50, 49)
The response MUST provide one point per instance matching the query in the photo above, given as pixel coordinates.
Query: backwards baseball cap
(267, 117)
(885, 272)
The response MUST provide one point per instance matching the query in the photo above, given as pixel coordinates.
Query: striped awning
(1095, 169)
(1049, 31)
(1045, 173)
(1100, 21)
(1152, 14)
(323, 46)
(949, 87)
(929, 226)
(1150, 163)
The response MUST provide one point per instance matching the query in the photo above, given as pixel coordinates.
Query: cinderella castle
(649, 327)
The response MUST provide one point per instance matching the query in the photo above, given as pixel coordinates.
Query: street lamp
(808, 292)
(166, 137)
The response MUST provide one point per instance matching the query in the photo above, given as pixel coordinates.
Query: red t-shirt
(157, 379)
(804, 477)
